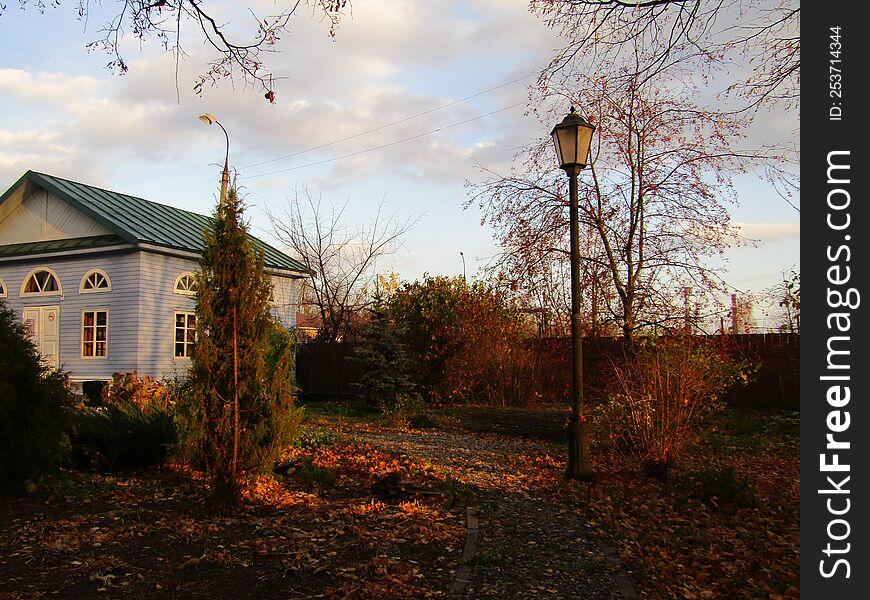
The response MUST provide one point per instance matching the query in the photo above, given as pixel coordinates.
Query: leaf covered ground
(316, 532)
(724, 524)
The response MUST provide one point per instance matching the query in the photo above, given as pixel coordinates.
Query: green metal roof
(140, 221)
(82, 243)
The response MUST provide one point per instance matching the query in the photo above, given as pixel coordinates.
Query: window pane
(179, 350)
(89, 319)
(87, 349)
(50, 283)
(101, 348)
(88, 334)
(101, 334)
(189, 350)
(102, 316)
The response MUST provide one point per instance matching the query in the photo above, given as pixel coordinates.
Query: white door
(43, 327)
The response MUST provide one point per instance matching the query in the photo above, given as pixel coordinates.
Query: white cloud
(769, 232)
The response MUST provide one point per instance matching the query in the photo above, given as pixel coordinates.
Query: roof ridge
(107, 190)
(142, 221)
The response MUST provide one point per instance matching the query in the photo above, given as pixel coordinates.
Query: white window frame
(94, 341)
(95, 290)
(176, 289)
(175, 328)
(50, 271)
(4, 289)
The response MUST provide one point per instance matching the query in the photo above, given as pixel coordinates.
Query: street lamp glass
(572, 138)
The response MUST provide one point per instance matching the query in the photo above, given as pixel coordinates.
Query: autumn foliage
(466, 342)
(659, 393)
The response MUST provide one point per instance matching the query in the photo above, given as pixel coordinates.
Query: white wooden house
(103, 281)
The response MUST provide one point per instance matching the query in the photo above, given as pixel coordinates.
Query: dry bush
(659, 393)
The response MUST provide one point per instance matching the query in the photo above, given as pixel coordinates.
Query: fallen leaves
(152, 533)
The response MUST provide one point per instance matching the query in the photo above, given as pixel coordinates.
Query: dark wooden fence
(323, 370)
(775, 385)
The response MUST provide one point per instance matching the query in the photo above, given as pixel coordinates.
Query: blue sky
(63, 113)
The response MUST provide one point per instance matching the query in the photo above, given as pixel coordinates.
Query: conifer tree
(236, 421)
(383, 359)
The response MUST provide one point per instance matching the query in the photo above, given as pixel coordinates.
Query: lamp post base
(579, 456)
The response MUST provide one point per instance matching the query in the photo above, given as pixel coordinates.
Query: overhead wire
(387, 125)
(382, 146)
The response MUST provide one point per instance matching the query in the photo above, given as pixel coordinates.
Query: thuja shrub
(659, 393)
(35, 403)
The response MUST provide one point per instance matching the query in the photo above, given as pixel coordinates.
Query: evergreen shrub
(35, 405)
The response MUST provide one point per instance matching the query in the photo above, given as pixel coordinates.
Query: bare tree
(343, 257)
(784, 302)
(705, 34)
(653, 202)
(164, 20)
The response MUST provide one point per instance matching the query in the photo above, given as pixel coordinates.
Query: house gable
(40, 216)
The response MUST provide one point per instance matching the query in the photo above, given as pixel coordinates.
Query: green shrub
(121, 436)
(408, 408)
(383, 361)
(311, 475)
(35, 403)
(314, 439)
(788, 422)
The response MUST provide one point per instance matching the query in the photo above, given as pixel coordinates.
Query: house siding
(122, 269)
(285, 296)
(157, 307)
(158, 304)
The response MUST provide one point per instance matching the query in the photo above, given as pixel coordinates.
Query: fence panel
(324, 371)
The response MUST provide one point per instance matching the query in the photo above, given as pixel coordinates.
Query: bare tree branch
(344, 258)
(164, 20)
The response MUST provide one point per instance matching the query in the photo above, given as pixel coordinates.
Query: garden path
(529, 546)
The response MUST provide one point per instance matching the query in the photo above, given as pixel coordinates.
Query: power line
(387, 145)
(379, 128)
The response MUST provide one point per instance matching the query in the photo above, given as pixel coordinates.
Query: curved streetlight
(572, 138)
(210, 119)
(463, 266)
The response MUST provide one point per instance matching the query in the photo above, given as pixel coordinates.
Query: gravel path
(528, 547)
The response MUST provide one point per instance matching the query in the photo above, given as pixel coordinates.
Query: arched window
(185, 284)
(2, 288)
(95, 281)
(41, 282)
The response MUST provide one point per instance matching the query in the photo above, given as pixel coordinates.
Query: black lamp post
(210, 119)
(572, 138)
(463, 266)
